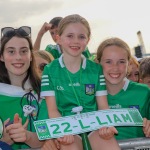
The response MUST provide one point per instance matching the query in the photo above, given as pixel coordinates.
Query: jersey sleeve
(47, 88)
(101, 87)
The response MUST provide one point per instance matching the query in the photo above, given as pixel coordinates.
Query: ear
(58, 39)
(88, 40)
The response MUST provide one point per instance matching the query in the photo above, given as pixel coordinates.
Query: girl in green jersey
(19, 87)
(114, 56)
(68, 86)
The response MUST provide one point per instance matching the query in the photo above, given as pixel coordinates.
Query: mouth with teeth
(75, 47)
(115, 76)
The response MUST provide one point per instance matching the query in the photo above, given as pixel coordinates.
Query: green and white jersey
(87, 83)
(86, 53)
(56, 51)
(132, 95)
(11, 103)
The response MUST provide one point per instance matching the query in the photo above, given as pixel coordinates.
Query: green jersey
(69, 88)
(132, 95)
(56, 51)
(12, 102)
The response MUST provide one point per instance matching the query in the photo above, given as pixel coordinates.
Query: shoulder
(54, 63)
(50, 46)
(139, 86)
(93, 65)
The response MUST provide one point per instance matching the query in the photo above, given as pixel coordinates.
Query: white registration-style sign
(85, 122)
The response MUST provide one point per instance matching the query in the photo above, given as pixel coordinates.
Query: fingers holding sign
(107, 132)
(146, 127)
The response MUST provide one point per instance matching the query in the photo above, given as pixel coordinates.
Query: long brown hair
(31, 72)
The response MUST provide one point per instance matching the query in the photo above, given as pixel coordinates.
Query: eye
(82, 37)
(70, 36)
(129, 75)
(122, 61)
(108, 62)
(24, 51)
(11, 51)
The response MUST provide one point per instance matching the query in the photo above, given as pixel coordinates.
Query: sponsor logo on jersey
(74, 84)
(60, 88)
(117, 106)
(89, 89)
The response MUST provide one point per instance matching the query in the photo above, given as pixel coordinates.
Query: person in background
(114, 56)
(42, 58)
(78, 75)
(55, 49)
(52, 27)
(144, 70)
(19, 90)
(133, 70)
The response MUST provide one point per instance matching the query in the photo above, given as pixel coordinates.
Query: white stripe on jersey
(103, 83)
(101, 93)
(102, 80)
(44, 80)
(101, 76)
(44, 76)
(43, 84)
(47, 93)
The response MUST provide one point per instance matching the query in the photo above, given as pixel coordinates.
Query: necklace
(74, 91)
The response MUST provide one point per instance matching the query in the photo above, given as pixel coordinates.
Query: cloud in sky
(122, 18)
(12, 10)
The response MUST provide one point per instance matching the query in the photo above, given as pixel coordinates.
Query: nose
(115, 66)
(18, 56)
(76, 39)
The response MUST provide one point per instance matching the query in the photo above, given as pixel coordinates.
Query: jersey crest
(89, 89)
(134, 106)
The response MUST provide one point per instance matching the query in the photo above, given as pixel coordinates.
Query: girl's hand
(51, 145)
(17, 131)
(107, 132)
(146, 127)
(6, 138)
(67, 139)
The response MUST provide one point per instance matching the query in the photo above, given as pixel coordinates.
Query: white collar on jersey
(125, 84)
(58, 48)
(12, 90)
(83, 63)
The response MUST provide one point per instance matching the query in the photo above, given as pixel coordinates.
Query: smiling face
(17, 56)
(74, 39)
(115, 63)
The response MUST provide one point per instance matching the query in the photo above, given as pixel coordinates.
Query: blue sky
(107, 18)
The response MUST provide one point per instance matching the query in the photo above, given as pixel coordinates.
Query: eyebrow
(15, 48)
